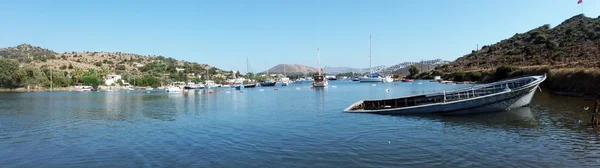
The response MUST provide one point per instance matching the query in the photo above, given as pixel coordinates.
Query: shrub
(120, 67)
(63, 67)
(98, 64)
(474, 76)
(503, 72)
(460, 76)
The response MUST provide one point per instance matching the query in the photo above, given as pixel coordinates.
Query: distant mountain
(338, 70)
(292, 68)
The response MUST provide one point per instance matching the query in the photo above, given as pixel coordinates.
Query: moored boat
(497, 96)
(176, 87)
(331, 77)
(319, 80)
(285, 81)
(407, 80)
(83, 88)
(268, 83)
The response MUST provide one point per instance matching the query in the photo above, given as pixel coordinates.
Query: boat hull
(268, 84)
(320, 84)
(501, 101)
(371, 79)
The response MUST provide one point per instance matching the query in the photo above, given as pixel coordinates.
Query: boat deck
(445, 96)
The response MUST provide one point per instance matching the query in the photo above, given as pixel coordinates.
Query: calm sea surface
(294, 126)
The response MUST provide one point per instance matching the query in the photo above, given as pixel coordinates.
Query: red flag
(580, 1)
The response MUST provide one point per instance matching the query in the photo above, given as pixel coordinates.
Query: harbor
(262, 126)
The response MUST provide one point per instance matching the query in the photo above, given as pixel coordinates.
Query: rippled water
(293, 126)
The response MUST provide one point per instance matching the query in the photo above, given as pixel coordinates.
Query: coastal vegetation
(568, 53)
(32, 67)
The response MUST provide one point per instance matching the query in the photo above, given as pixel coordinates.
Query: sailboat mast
(319, 60)
(370, 68)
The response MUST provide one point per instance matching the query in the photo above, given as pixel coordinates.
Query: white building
(111, 79)
(179, 69)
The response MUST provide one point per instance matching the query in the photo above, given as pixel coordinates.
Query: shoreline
(37, 90)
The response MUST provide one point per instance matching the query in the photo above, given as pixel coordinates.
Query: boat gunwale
(538, 80)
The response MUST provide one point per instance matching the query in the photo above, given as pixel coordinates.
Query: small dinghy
(497, 96)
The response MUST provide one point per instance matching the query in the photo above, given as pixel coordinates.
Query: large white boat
(210, 84)
(285, 81)
(498, 96)
(319, 80)
(176, 87)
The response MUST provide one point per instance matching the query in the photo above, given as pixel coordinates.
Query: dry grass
(583, 81)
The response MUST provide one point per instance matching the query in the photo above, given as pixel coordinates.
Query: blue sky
(269, 32)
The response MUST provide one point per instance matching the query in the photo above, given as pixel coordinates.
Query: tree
(32, 76)
(119, 82)
(8, 71)
(249, 75)
(91, 80)
(413, 70)
(70, 66)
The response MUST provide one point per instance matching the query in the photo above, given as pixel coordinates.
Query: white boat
(388, 79)
(210, 84)
(285, 81)
(176, 87)
(83, 88)
(497, 96)
(320, 80)
(373, 77)
(331, 77)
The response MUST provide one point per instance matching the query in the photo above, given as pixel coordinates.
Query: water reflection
(521, 117)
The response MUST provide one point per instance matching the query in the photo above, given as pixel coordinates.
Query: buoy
(228, 92)
(209, 92)
(373, 84)
(395, 84)
(275, 89)
(241, 91)
(333, 86)
(262, 90)
(297, 88)
(389, 142)
(387, 90)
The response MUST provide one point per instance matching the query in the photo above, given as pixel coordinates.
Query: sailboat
(373, 77)
(251, 84)
(319, 80)
(354, 78)
(268, 81)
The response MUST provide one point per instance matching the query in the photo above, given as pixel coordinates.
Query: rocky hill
(292, 68)
(575, 43)
(402, 68)
(33, 65)
(41, 57)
